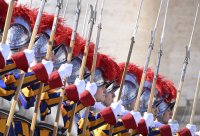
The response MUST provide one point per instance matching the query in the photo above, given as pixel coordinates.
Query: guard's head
(164, 104)
(76, 62)
(105, 73)
(144, 99)
(163, 110)
(110, 92)
(131, 85)
(19, 33)
(101, 85)
(41, 44)
(129, 91)
(42, 40)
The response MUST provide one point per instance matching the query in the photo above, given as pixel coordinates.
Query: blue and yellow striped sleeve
(8, 84)
(10, 65)
(21, 128)
(104, 130)
(67, 111)
(3, 127)
(94, 122)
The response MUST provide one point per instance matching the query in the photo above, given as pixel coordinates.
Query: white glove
(92, 88)
(65, 70)
(5, 50)
(148, 117)
(158, 124)
(137, 116)
(124, 111)
(116, 108)
(48, 66)
(197, 133)
(192, 129)
(30, 56)
(33, 63)
(98, 106)
(80, 85)
(174, 126)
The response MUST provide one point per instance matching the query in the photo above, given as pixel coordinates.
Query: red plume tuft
(150, 77)
(91, 47)
(46, 22)
(159, 85)
(118, 75)
(133, 69)
(90, 60)
(68, 36)
(23, 12)
(78, 45)
(60, 35)
(65, 37)
(33, 15)
(108, 66)
(169, 91)
(3, 12)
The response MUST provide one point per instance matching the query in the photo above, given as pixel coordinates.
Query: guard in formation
(105, 115)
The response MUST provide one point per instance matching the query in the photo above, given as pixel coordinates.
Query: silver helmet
(76, 62)
(164, 106)
(130, 89)
(60, 55)
(144, 100)
(19, 34)
(98, 78)
(145, 96)
(41, 44)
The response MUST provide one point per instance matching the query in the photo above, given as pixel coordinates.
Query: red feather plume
(132, 68)
(23, 12)
(47, 22)
(64, 36)
(33, 15)
(150, 77)
(109, 68)
(3, 12)
(169, 91)
(91, 47)
(90, 60)
(79, 42)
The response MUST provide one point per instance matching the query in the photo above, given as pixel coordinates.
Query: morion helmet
(19, 33)
(167, 99)
(131, 84)
(147, 90)
(106, 70)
